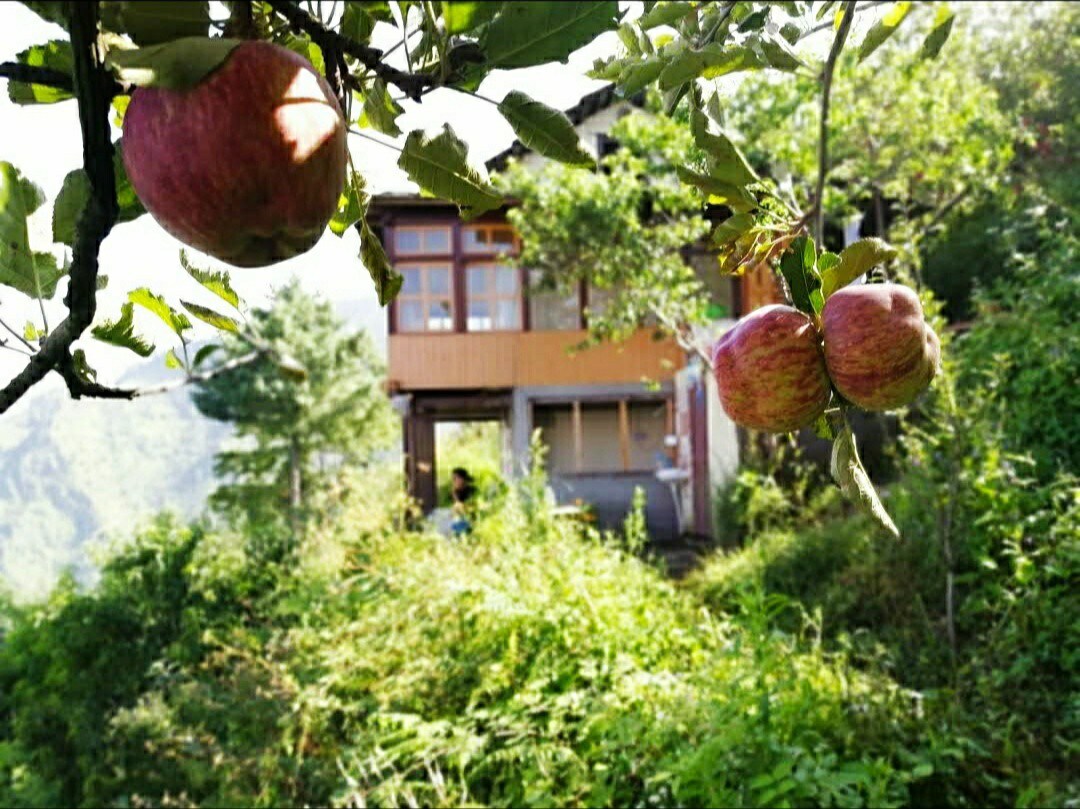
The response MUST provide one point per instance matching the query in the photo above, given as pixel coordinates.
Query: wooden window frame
(492, 297)
(425, 297)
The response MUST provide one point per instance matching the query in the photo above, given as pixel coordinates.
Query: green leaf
(440, 167)
(177, 65)
(462, 17)
(883, 28)
(724, 193)
(726, 161)
(712, 61)
(351, 205)
(216, 282)
(203, 353)
(847, 470)
(665, 14)
(387, 280)
(779, 53)
(359, 18)
(532, 33)
(935, 40)
(49, 10)
(640, 74)
(732, 228)
(32, 273)
(215, 319)
(151, 22)
(824, 9)
(173, 361)
(55, 55)
(75, 192)
(544, 129)
(797, 267)
(380, 111)
(32, 332)
(177, 321)
(122, 333)
(854, 260)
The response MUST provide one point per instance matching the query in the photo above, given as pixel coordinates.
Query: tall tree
(295, 427)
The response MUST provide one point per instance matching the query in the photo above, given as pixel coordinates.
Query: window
(488, 239)
(426, 300)
(494, 297)
(551, 310)
(422, 240)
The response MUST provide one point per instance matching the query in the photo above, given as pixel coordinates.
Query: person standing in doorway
(463, 492)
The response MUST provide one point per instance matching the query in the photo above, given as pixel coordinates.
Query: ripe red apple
(246, 166)
(879, 350)
(770, 370)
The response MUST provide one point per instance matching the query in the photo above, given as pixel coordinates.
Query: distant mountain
(76, 472)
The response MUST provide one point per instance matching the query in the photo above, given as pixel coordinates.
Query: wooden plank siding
(515, 359)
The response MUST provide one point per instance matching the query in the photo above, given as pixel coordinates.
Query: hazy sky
(44, 142)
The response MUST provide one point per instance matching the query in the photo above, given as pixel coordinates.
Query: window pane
(506, 280)
(479, 316)
(419, 240)
(411, 314)
(478, 281)
(407, 240)
(438, 279)
(411, 283)
(437, 240)
(508, 314)
(439, 318)
(488, 239)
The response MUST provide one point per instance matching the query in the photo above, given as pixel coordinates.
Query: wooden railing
(516, 359)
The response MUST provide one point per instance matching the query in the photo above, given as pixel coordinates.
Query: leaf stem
(360, 134)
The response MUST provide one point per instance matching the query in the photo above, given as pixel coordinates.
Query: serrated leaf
(351, 205)
(462, 17)
(732, 228)
(723, 193)
(151, 22)
(533, 33)
(31, 273)
(939, 33)
(387, 280)
(640, 74)
(380, 111)
(217, 282)
(711, 62)
(75, 192)
(207, 315)
(49, 10)
(883, 29)
(847, 470)
(854, 260)
(726, 161)
(177, 65)
(545, 130)
(177, 321)
(801, 278)
(664, 14)
(440, 167)
(122, 333)
(173, 361)
(203, 353)
(55, 55)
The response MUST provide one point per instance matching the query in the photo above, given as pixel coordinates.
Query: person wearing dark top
(462, 491)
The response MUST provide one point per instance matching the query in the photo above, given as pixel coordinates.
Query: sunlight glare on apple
(318, 125)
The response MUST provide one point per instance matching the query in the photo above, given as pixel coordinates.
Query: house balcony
(426, 361)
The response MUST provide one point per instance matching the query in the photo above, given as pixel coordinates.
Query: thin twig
(823, 143)
(712, 32)
(17, 336)
(412, 84)
(16, 349)
(830, 23)
(81, 387)
(360, 134)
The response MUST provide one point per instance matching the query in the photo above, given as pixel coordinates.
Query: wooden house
(470, 340)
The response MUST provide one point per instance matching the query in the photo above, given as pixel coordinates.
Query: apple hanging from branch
(248, 164)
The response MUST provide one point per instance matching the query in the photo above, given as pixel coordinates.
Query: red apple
(879, 350)
(770, 370)
(249, 164)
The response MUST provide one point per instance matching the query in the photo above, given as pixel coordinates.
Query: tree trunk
(296, 500)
